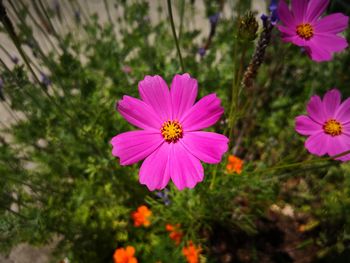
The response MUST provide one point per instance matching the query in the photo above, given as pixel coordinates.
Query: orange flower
(175, 234)
(122, 255)
(141, 216)
(191, 252)
(234, 164)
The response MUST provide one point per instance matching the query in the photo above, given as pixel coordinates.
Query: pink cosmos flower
(327, 125)
(303, 27)
(169, 139)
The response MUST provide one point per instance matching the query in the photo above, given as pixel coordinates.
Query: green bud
(247, 27)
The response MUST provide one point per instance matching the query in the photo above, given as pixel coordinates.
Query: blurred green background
(60, 184)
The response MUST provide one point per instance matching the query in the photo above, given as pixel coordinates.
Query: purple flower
(164, 195)
(214, 19)
(303, 26)
(273, 17)
(30, 43)
(202, 51)
(264, 18)
(14, 59)
(45, 79)
(56, 6)
(57, 9)
(77, 16)
(273, 5)
(327, 125)
(273, 11)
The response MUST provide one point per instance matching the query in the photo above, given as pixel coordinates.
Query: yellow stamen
(333, 127)
(305, 31)
(171, 131)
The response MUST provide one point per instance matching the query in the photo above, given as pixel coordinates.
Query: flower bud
(248, 27)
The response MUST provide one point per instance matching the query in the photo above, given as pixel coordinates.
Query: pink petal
(138, 113)
(154, 91)
(338, 145)
(186, 170)
(317, 53)
(343, 112)
(332, 24)
(209, 147)
(306, 126)
(315, 9)
(134, 146)
(315, 110)
(299, 8)
(285, 15)
(203, 114)
(154, 171)
(289, 34)
(287, 31)
(299, 41)
(331, 102)
(331, 43)
(183, 94)
(347, 128)
(296, 40)
(317, 143)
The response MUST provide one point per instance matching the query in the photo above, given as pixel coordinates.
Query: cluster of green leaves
(58, 171)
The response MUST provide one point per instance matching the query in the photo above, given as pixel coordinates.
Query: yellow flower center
(305, 31)
(171, 131)
(333, 127)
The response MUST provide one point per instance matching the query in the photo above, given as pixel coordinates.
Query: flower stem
(11, 32)
(174, 34)
(237, 76)
(182, 15)
(212, 181)
(108, 13)
(236, 89)
(291, 165)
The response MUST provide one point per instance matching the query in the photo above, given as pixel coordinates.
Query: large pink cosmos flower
(327, 125)
(304, 27)
(169, 138)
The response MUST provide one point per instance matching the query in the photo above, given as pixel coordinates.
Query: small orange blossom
(141, 216)
(191, 252)
(234, 164)
(122, 255)
(175, 234)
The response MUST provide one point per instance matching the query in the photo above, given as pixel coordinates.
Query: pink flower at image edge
(327, 125)
(170, 139)
(303, 26)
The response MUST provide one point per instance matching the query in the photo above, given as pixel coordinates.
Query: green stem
(291, 165)
(12, 113)
(213, 178)
(4, 125)
(108, 13)
(235, 96)
(24, 90)
(44, 14)
(11, 31)
(311, 168)
(235, 93)
(182, 15)
(15, 213)
(5, 51)
(174, 34)
(234, 102)
(81, 9)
